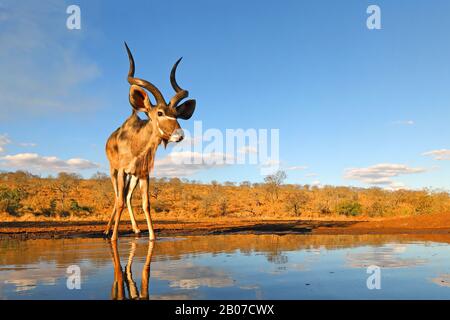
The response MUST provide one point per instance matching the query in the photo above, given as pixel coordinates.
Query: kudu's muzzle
(177, 135)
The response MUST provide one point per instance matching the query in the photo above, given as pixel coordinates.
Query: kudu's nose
(177, 135)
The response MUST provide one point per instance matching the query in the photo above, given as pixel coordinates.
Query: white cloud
(42, 65)
(296, 168)
(248, 150)
(404, 122)
(187, 163)
(271, 163)
(311, 175)
(270, 166)
(35, 162)
(381, 174)
(442, 154)
(4, 140)
(28, 144)
(395, 185)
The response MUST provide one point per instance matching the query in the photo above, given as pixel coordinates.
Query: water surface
(228, 267)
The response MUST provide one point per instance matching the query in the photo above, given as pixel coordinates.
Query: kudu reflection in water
(124, 279)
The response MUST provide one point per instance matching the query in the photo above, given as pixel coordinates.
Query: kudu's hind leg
(143, 183)
(132, 185)
(111, 219)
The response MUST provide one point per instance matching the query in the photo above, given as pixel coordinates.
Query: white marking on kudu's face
(168, 127)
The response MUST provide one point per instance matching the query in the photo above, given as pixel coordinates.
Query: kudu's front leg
(143, 183)
(130, 185)
(113, 174)
(120, 202)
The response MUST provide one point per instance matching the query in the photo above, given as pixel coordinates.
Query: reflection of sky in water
(388, 256)
(232, 267)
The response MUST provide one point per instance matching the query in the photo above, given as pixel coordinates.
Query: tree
(296, 201)
(69, 175)
(64, 184)
(215, 183)
(273, 183)
(223, 205)
(177, 188)
(155, 189)
(246, 184)
(52, 208)
(208, 202)
(100, 176)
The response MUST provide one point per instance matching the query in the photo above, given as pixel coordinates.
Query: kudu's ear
(186, 109)
(139, 99)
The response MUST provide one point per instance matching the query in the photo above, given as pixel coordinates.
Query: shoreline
(163, 228)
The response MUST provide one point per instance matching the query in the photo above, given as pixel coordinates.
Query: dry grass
(24, 197)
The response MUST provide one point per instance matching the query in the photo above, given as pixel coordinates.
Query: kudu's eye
(160, 114)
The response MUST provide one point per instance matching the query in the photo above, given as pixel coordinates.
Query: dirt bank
(32, 230)
(437, 223)
(433, 224)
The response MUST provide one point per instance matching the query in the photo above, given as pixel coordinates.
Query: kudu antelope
(132, 147)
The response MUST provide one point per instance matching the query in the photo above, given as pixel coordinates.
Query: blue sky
(355, 106)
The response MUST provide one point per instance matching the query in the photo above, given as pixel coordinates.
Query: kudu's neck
(144, 131)
(144, 141)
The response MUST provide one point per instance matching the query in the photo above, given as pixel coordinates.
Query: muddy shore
(51, 230)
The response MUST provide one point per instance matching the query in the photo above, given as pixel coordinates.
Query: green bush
(10, 200)
(349, 208)
(50, 211)
(160, 206)
(74, 206)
